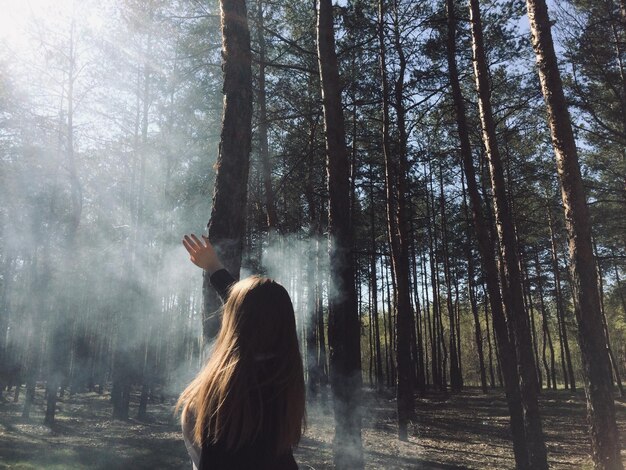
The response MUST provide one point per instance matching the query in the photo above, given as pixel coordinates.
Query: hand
(202, 253)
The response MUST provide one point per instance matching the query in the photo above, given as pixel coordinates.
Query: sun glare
(20, 19)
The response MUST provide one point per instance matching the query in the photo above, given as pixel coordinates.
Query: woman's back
(247, 403)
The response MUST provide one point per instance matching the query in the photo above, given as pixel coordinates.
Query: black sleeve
(221, 281)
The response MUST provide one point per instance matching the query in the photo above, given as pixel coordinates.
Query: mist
(101, 132)
(111, 124)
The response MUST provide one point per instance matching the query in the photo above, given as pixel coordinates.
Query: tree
(227, 222)
(605, 441)
(397, 226)
(343, 320)
(485, 244)
(512, 283)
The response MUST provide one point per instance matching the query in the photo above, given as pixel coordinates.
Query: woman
(245, 409)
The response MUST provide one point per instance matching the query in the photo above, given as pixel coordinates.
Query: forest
(440, 185)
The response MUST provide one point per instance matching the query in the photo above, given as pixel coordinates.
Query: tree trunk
(427, 322)
(420, 381)
(455, 373)
(531, 313)
(374, 290)
(598, 385)
(343, 322)
(485, 244)
(518, 319)
(551, 371)
(614, 364)
(436, 356)
(470, 288)
(492, 380)
(226, 227)
(395, 181)
(566, 357)
(59, 339)
(390, 324)
(264, 154)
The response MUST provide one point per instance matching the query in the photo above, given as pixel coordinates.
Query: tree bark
(344, 328)
(227, 223)
(596, 368)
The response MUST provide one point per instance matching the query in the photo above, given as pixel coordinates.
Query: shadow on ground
(464, 431)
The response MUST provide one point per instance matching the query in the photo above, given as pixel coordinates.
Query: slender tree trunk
(620, 291)
(58, 356)
(226, 227)
(428, 323)
(419, 357)
(514, 299)
(435, 343)
(455, 373)
(546, 330)
(264, 154)
(485, 244)
(471, 291)
(391, 382)
(374, 292)
(605, 440)
(531, 314)
(492, 380)
(395, 182)
(322, 364)
(344, 329)
(313, 345)
(566, 358)
(614, 363)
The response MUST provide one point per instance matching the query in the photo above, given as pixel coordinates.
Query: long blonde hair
(253, 383)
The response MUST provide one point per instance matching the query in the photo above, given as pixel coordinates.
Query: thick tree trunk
(227, 224)
(485, 245)
(343, 322)
(597, 375)
(514, 297)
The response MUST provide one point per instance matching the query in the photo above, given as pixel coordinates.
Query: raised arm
(203, 255)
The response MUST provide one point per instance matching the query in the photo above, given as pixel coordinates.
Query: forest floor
(463, 431)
